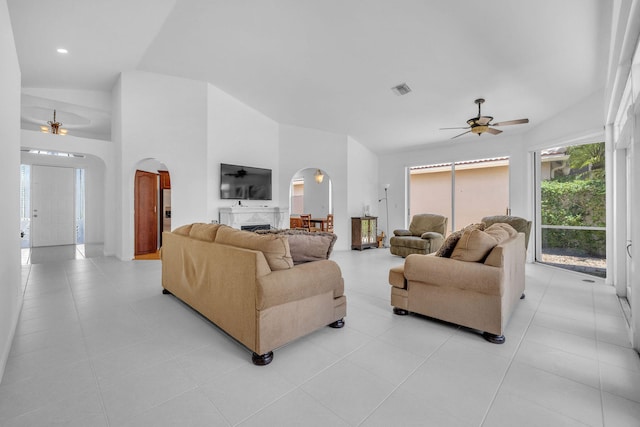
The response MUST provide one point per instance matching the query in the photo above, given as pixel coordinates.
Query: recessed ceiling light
(62, 50)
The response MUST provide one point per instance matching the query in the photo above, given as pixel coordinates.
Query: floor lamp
(386, 204)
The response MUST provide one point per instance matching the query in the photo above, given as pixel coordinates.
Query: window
(464, 191)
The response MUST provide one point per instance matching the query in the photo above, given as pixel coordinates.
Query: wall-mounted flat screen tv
(244, 182)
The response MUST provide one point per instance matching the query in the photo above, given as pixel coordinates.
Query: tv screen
(244, 182)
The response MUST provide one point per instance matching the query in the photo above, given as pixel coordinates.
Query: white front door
(52, 202)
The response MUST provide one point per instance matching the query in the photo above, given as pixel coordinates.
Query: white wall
(10, 285)
(163, 118)
(238, 134)
(302, 148)
(363, 184)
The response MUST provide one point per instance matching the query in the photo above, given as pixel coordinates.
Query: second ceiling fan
(482, 124)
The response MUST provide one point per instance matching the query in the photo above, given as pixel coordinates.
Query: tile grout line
(512, 358)
(86, 347)
(407, 378)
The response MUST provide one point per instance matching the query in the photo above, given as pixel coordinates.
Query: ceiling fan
(482, 124)
(240, 173)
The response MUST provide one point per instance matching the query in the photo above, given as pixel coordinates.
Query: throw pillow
(474, 245)
(183, 230)
(206, 232)
(449, 244)
(274, 247)
(306, 246)
(452, 240)
(501, 228)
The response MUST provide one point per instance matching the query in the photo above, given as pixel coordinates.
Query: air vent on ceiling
(401, 89)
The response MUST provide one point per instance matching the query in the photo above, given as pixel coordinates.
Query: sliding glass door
(464, 191)
(572, 208)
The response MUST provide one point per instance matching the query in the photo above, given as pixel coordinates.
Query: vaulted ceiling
(322, 64)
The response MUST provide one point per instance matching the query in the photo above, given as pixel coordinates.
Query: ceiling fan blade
(466, 127)
(463, 133)
(493, 131)
(511, 122)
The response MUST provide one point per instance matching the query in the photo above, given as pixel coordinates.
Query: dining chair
(306, 221)
(329, 224)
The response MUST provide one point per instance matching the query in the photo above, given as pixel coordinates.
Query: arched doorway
(310, 192)
(152, 207)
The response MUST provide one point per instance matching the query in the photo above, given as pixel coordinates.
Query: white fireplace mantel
(239, 216)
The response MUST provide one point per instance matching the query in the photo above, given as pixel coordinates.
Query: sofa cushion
(499, 229)
(205, 232)
(452, 240)
(474, 245)
(501, 232)
(275, 247)
(306, 246)
(183, 230)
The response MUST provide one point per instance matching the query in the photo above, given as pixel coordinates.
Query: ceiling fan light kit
(481, 124)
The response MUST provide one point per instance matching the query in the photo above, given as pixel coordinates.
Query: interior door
(53, 209)
(146, 212)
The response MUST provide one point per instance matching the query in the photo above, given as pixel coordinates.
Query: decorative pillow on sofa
(452, 240)
(449, 244)
(202, 231)
(274, 247)
(306, 246)
(183, 230)
(474, 244)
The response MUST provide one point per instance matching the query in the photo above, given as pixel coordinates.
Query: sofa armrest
(402, 233)
(447, 272)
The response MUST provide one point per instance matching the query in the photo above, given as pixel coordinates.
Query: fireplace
(255, 227)
(248, 216)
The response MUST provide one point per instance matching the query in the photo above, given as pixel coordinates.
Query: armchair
(425, 235)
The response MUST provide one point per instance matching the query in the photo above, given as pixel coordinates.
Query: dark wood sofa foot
(166, 292)
(262, 359)
(400, 311)
(492, 338)
(337, 324)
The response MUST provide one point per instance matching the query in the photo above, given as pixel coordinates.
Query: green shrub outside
(578, 202)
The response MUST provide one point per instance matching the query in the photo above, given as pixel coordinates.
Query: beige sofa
(477, 286)
(247, 284)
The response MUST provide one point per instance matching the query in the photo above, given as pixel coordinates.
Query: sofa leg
(493, 338)
(400, 311)
(262, 359)
(337, 324)
(522, 296)
(166, 292)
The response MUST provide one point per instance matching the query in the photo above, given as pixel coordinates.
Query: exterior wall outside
(479, 192)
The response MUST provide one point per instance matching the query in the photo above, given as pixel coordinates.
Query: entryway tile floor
(98, 344)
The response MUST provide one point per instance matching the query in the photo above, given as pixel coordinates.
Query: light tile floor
(99, 345)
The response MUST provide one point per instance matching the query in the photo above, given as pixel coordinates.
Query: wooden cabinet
(364, 232)
(165, 180)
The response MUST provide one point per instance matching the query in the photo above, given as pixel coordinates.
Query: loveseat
(248, 285)
(475, 281)
(425, 235)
